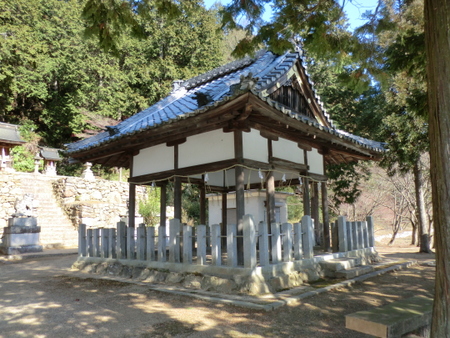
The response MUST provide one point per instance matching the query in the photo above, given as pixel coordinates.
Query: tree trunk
(414, 231)
(424, 238)
(437, 39)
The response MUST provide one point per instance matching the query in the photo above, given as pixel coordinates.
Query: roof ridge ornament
(177, 84)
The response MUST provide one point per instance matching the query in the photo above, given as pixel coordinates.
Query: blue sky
(354, 9)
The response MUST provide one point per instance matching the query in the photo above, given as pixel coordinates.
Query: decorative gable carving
(290, 97)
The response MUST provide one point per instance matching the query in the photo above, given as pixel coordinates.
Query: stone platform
(21, 236)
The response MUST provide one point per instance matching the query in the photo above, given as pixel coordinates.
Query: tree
(437, 39)
(52, 76)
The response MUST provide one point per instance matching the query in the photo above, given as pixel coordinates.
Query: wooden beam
(240, 195)
(163, 204)
(306, 194)
(176, 142)
(270, 198)
(131, 200)
(177, 189)
(315, 211)
(193, 170)
(203, 202)
(224, 218)
(281, 163)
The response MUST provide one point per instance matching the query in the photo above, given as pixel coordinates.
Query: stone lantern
(37, 163)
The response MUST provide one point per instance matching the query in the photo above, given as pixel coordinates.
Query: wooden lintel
(183, 172)
(281, 163)
(269, 135)
(304, 146)
(176, 142)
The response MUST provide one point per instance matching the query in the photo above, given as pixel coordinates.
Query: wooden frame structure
(253, 123)
(9, 138)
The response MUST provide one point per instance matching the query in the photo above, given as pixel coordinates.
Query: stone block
(156, 277)
(127, 271)
(115, 269)
(213, 283)
(393, 320)
(22, 222)
(90, 268)
(102, 268)
(193, 282)
(174, 277)
(355, 272)
(137, 271)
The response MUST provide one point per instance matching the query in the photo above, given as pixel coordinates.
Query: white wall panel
(315, 162)
(208, 147)
(255, 146)
(287, 150)
(153, 160)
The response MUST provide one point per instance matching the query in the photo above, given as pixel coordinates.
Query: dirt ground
(43, 298)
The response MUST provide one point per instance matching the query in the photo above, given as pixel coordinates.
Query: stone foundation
(21, 236)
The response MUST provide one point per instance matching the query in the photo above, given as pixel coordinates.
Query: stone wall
(98, 203)
(10, 190)
(61, 203)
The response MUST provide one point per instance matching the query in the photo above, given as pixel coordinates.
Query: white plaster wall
(255, 146)
(153, 159)
(315, 162)
(208, 147)
(287, 150)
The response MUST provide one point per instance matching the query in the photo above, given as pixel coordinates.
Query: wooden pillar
(306, 194)
(270, 198)
(224, 218)
(270, 189)
(203, 202)
(131, 205)
(315, 212)
(325, 217)
(177, 188)
(163, 205)
(240, 194)
(131, 199)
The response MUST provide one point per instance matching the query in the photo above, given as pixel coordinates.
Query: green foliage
(23, 159)
(23, 155)
(52, 76)
(345, 180)
(149, 208)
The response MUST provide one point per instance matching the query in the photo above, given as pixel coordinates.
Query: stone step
(339, 264)
(354, 272)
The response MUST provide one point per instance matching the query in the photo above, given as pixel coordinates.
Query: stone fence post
(342, 234)
(231, 245)
(287, 241)
(201, 244)
(263, 244)
(249, 242)
(82, 240)
(308, 237)
(370, 227)
(298, 245)
(276, 243)
(174, 240)
(216, 251)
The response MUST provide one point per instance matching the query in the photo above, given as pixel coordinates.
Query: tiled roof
(9, 133)
(212, 89)
(50, 154)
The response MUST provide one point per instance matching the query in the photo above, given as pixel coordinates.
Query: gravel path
(42, 297)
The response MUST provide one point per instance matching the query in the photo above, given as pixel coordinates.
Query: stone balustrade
(195, 246)
(349, 236)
